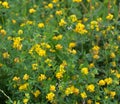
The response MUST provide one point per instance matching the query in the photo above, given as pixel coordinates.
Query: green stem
(6, 96)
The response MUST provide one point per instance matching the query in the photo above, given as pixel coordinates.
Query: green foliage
(59, 52)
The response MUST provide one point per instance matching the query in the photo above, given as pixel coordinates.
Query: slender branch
(6, 96)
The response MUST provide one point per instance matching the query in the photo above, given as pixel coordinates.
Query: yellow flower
(41, 25)
(59, 12)
(72, 44)
(20, 32)
(1, 65)
(109, 17)
(54, 1)
(84, 70)
(31, 11)
(77, 1)
(23, 86)
(25, 100)
(91, 65)
(95, 49)
(50, 96)
(35, 66)
(108, 80)
(90, 88)
(113, 64)
(59, 75)
(58, 46)
(5, 4)
(52, 88)
(36, 93)
(3, 32)
(6, 55)
(96, 56)
(73, 18)
(17, 43)
(26, 77)
(89, 101)
(76, 91)
(80, 28)
(16, 60)
(112, 94)
(41, 77)
(68, 91)
(101, 83)
(83, 95)
(50, 5)
(16, 78)
(62, 22)
(112, 55)
(13, 21)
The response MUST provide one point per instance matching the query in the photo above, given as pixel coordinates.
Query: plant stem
(6, 96)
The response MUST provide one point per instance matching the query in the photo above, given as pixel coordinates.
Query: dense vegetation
(59, 51)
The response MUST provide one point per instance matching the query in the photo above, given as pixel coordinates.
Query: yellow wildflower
(23, 86)
(77, 1)
(3, 32)
(41, 25)
(50, 96)
(41, 77)
(5, 55)
(90, 88)
(112, 94)
(72, 44)
(31, 11)
(112, 55)
(59, 75)
(101, 83)
(50, 5)
(35, 66)
(108, 80)
(109, 16)
(58, 46)
(36, 93)
(25, 100)
(5, 4)
(59, 12)
(62, 22)
(52, 88)
(83, 95)
(20, 32)
(26, 77)
(84, 70)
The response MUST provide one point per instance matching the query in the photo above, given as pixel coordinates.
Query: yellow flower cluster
(38, 50)
(95, 52)
(84, 70)
(71, 90)
(77, 1)
(23, 86)
(80, 28)
(109, 16)
(83, 95)
(41, 77)
(58, 37)
(90, 88)
(50, 96)
(61, 71)
(36, 93)
(5, 4)
(62, 22)
(94, 25)
(2, 32)
(17, 43)
(32, 10)
(6, 55)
